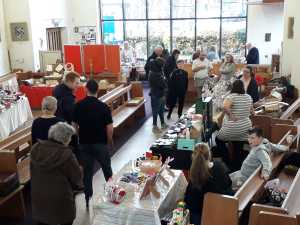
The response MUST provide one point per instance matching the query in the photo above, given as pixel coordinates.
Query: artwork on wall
(267, 37)
(291, 22)
(19, 32)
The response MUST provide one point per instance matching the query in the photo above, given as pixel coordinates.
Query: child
(258, 155)
(178, 85)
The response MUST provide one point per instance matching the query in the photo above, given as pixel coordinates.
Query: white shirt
(204, 72)
(128, 55)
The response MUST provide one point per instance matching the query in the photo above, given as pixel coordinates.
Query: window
(135, 9)
(158, 9)
(112, 9)
(231, 8)
(208, 8)
(112, 32)
(159, 34)
(183, 9)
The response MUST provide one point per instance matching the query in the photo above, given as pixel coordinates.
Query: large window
(215, 26)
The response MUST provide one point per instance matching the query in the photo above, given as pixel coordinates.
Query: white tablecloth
(14, 117)
(148, 211)
(11, 84)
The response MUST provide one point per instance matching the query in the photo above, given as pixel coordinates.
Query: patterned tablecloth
(148, 211)
(14, 117)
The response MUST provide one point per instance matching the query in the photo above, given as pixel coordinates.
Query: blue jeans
(158, 108)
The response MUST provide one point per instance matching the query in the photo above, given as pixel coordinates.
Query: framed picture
(291, 22)
(19, 32)
(267, 37)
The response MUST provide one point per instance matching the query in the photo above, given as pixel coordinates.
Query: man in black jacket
(158, 51)
(170, 64)
(253, 54)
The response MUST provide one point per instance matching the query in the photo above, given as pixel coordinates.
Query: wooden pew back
(289, 112)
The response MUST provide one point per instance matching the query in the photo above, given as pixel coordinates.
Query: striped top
(237, 130)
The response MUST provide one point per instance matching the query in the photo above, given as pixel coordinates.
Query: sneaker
(155, 129)
(164, 126)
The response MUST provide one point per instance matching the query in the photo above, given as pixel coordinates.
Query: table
(14, 117)
(36, 94)
(148, 211)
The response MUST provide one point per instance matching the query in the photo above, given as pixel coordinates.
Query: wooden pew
(289, 112)
(232, 207)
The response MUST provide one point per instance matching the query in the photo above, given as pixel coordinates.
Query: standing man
(94, 123)
(201, 68)
(158, 51)
(253, 54)
(170, 64)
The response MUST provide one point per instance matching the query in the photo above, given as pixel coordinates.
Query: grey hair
(61, 132)
(49, 104)
(159, 47)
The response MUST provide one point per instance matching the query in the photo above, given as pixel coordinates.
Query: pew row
(232, 207)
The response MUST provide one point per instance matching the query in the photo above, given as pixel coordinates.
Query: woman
(250, 84)
(227, 69)
(237, 107)
(41, 125)
(158, 88)
(205, 176)
(55, 175)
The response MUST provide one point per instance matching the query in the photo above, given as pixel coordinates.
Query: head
(238, 87)
(200, 169)
(212, 49)
(176, 53)
(180, 64)
(255, 137)
(72, 80)
(248, 46)
(92, 88)
(126, 44)
(202, 55)
(247, 72)
(158, 51)
(61, 132)
(229, 58)
(49, 105)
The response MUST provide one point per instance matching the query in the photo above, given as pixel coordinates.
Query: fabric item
(92, 117)
(237, 130)
(252, 89)
(227, 70)
(173, 100)
(218, 182)
(179, 82)
(50, 224)
(253, 56)
(55, 175)
(89, 154)
(158, 84)
(148, 63)
(158, 108)
(128, 55)
(170, 66)
(203, 73)
(14, 117)
(40, 128)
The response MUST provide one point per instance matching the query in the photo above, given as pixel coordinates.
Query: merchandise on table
(7, 98)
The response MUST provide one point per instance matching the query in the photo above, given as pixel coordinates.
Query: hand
(265, 176)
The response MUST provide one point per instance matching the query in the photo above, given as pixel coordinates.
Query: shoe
(164, 126)
(155, 129)
(169, 117)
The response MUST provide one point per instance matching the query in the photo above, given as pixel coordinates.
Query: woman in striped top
(236, 123)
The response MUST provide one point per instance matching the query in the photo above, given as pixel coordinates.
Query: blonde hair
(200, 171)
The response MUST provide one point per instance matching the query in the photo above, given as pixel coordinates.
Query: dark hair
(238, 87)
(92, 86)
(175, 52)
(251, 70)
(257, 131)
(71, 76)
(180, 61)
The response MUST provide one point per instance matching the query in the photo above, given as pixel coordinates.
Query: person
(237, 107)
(170, 64)
(250, 84)
(212, 54)
(128, 55)
(178, 86)
(196, 54)
(158, 51)
(55, 177)
(158, 88)
(201, 68)
(253, 54)
(205, 176)
(41, 125)
(228, 68)
(93, 120)
(258, 156)
(65, 97)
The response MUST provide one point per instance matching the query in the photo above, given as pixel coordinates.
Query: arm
(196, 68)
(109, 133)
(68, 108)
(227, 104)
(266, 162)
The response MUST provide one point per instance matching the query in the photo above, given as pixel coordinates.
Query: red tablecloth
(35, 94)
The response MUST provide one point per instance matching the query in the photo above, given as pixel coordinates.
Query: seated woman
(41, 125)
(236, 123)
(228, 68)
(250, 84)
(55, 176)
(205, 176)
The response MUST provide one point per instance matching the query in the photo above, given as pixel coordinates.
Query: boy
(258, 155)
(178, 85)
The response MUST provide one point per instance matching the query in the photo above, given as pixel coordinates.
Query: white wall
(263, 19)
(4, 63)
(21, 53)
(291, 47)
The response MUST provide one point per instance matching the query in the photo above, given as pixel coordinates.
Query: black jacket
(65, 102)
(170, 66)
(252, 90)
(253, 56)
(158, 84)
(178, 83)
(148, 63)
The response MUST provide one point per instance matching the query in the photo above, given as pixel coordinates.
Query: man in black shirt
(93, 120)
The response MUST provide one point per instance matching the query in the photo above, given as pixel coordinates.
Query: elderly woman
(41, 125)
(250, 84)
(236, 123)
(227, 69)
(55, 175)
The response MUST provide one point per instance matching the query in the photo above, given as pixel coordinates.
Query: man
(158, 51)
(253, 54)
(64, 93)
(170, 64)
(128, 54)
(201, 68)
(94, 123)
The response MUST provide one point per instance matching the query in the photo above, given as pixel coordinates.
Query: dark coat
(65, 102)
(170, 66)
(148, 63)
(253, 56)
(55, 175)
(158, 84)
(178, 83)
(252, 90)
